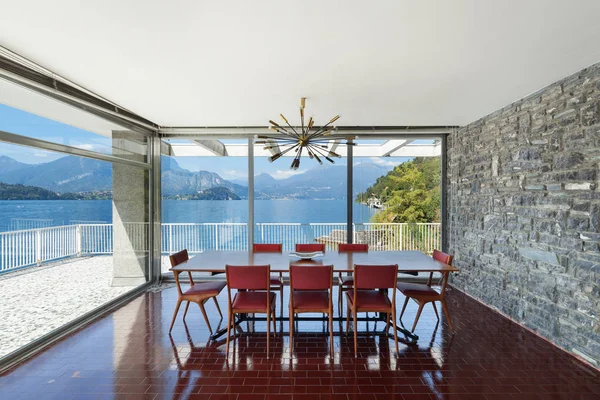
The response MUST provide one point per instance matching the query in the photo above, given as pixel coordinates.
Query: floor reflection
(129, 354)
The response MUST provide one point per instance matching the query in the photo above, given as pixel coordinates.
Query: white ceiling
(241, 63)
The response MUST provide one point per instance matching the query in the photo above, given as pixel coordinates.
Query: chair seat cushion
(415, 289)
(310, 300)
(275, 281)
(205, 288)
(373, 300)
(251, 301)
(346, 280)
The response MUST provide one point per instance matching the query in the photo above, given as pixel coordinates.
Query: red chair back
(310, 247)
(375, 276)
(311, 277)
(352, 247)
(442, 257)
(179, 257)
(254, 277)
(267, 247)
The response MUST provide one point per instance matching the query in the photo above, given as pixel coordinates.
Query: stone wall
(523, 208)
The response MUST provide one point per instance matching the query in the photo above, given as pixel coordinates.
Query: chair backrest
(311, 277)
(375, 276)
(310, 247)
(267, 247)
(179, 257)
(442, 257)
(353, 247)
(252, 277)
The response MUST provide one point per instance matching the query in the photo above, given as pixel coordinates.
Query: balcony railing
(24, 248)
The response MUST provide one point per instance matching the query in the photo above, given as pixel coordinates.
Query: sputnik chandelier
(314, 140)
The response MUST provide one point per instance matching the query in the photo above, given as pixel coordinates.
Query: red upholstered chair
(310, 292)
(346, 281)
(198, 293)
(353, 247)
(423, 294)
(366, 298)
(276, 283)
(254, 295)
(310, 247)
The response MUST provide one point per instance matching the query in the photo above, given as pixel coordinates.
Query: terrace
(460, 154)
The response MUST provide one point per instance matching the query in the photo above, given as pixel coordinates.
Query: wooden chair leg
(175, 314)
(281, 301)
(347, 319)
(331, 332)
(447, 313)
(395, 329)
(387, 323)
(418, 315)
(340, 293)
(355, 329)
(229, 321)
(201, 304)
(435, 310)
(268, 329)
(187, 305)
(291, 331)
(217, 305)
(273, 316)
(404, 307)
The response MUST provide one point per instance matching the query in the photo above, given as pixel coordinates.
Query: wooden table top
(408, 261)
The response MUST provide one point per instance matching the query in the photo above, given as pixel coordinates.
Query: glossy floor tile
(130, 355)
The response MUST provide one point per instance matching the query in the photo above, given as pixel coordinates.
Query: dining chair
(253, 295)
(310, 292)
(367, 296)
(310, 247)
(424, 293)
(198, 293)
(276, 283)
(346, 281)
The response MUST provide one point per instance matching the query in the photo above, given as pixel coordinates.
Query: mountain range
(71, 174)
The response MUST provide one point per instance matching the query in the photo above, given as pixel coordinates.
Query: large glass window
(33, 115)
(73, 230)
(400, 196)
(204, 201)
(306, 205)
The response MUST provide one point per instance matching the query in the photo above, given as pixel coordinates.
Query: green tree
(410, 192)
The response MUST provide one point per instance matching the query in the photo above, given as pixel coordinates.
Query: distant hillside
(217, 193)
(78, 175)
(23, 192)
(67, 174)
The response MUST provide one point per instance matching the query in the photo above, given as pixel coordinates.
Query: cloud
(233, 174)
(285, 173)
(385, 163)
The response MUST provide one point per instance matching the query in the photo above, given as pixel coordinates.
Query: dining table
(409, 262)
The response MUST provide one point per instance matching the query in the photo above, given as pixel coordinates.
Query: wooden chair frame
(391, 314)
(199, 299)
(328, 310)
(425, 298)
(270, 310)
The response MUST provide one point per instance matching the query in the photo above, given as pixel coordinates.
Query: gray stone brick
(524, 205)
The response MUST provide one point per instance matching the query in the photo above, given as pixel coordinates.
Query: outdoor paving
(37, 300)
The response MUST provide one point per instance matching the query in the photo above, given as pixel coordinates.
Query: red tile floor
(130, 355)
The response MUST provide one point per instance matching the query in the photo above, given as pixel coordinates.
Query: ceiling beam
(362, 150)
(215, 146)
(392, 145)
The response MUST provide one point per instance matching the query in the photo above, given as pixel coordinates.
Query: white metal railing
(29, 247)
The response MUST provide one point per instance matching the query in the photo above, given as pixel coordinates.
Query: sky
(231, 168)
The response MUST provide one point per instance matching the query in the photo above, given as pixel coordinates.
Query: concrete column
(130, 211)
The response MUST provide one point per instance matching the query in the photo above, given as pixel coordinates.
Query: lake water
(26, 214)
